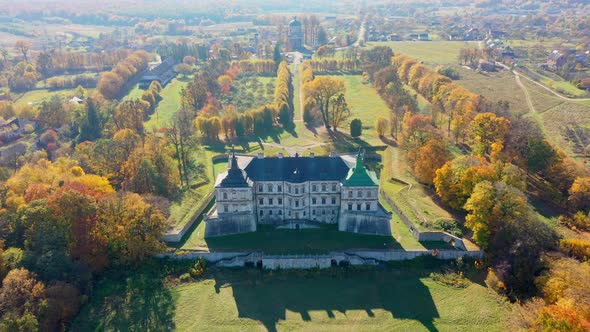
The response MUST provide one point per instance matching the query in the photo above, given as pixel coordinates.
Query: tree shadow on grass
(129, 301)
(268, 296)
(345, 143)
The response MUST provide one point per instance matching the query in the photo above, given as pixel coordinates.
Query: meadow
(431, 52)
(400, 297)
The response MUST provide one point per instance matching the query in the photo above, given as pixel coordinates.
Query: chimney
(280, 155)
(261, 156)
(311, 155)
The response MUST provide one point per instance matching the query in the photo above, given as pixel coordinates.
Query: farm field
(431, 52)
(402, 297)
(37, 96)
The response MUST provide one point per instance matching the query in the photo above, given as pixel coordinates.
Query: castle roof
(294, 22)
(359, 176)
(297, 169)
(235, 177)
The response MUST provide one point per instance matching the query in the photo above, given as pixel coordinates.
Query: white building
(277, 190)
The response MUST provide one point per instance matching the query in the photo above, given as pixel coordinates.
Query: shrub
(185, 277)
(579, 249)
(452, 279)
(356, 128)
(448, 225)
(493, 282)
(199, 268)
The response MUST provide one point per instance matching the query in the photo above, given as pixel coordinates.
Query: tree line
(505, 160)
(111, 83)
(251, 122)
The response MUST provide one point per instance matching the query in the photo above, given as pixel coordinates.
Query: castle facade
(278, 190)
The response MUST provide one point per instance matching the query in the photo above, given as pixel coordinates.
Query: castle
(295, 35)
(296, 190)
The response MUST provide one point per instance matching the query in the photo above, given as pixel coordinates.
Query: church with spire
(297, 190)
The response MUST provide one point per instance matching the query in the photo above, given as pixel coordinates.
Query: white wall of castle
(320, 201)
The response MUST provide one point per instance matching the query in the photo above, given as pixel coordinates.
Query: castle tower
(295, 35)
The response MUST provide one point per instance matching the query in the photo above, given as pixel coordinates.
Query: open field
(431, 52)
(37, 96)
(401, 297)
(365, 104)
(169, 104)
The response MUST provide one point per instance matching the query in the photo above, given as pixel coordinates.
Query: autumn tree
(130, 114)
(23, 47)
(503, 224)
(179, 134)
(455, 180)
(323, 89)
(53, 113)
(339, 111)
(487, 129)
(579, 194)
(431, 156)
(110, 85)
(375, 59)
(133, 228)
(184, 69)
(22, 301)
(189, 60)
(381, 126)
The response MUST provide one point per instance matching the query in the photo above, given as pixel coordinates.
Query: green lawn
(416, 202)
(401, 297)
(184, 207)
(169, 104)
(37, 96)
(431, 52)
(365, 104)
(306, 241)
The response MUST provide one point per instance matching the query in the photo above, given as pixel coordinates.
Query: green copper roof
(359, 176)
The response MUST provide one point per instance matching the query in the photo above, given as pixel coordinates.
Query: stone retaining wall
(234, 224)
(175, 235)
(428, 235)
(352, 257)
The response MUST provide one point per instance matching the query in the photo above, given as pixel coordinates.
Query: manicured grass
(296, 82)
(401, 297)
(134, 93)
(37, 96)
(415, 201)
(169, 104)
(307, 241)
(365, 104)
(189, 200)
(431, 52)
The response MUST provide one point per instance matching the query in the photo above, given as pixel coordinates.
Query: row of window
(359, 194)
(359, 206)
(270, 201)
(314, 201)
(314, 188)
(280, 213)
(324, 200)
